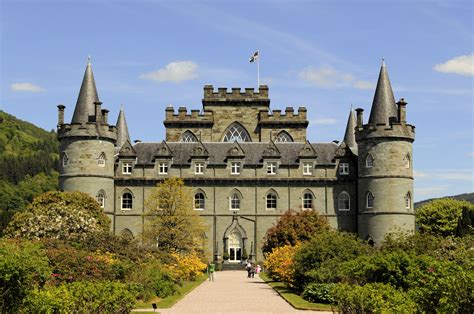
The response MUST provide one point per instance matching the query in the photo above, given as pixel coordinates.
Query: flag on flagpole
(254, 57)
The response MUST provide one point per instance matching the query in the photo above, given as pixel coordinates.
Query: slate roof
(383, 105)
(218, 152)
(85, 106)
(122, 129)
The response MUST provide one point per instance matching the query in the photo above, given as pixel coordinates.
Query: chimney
(61, 114)
(98, 113)
(360, 118)
(105, 116)
(402, 111)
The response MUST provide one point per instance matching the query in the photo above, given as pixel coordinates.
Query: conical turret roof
(87, 96)
(349, 136)
(122, 129)
(383, 106)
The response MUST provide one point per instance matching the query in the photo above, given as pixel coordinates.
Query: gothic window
(271, 201)
(199, 168)
(126, 234)
(127, 168)
(370, 200)
(408, 200)
(236, 133)
(307, 201)
(344, 168)
(101, 160)
(283, 137)
(369, 161)
(271, 167)
(234, 201)
(188, 137)
(406, 161)
(199, 201)
(344, 201)
(307, 168)
(65, 159)
(163, 168)
(100, 197)
(235, 168)
(127, 201)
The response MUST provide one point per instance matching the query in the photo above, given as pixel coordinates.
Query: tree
(445, 217)
(293, 227)
(59, 215)
(171, 222)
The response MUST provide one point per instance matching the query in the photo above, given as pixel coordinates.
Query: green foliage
(319, 293)
(155, 280)
(445, 217)
(171, 223)
(83, 297)
(371, 298)
(293, 227)
(23, 266)
(59, 215)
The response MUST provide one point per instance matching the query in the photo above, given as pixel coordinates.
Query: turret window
(100, 197)
(163, 168)
(199, 201)
(283, 137)
(65, 159)
(406, 161)
(271, 201)
(408, 200)
(344, 168)
(369, 161)
(101, 160)
(236, 133)
(344, 201)
(370, 200)
(127, 168)
(235, 202)
(188, 137)
(127, 201)
(307, 201)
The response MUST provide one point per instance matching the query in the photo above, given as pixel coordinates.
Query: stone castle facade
(246, 165)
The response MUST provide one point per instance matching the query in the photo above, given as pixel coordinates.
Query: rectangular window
(127, 168)
(271, 167)
(199, 168)
(101, 162)
(235, 168)
(163, 168)
(307, 168)
(344, 168)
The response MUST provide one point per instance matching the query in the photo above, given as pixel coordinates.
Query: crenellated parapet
(88, 130)
(289, 117)
(236, 96)
(183, 118)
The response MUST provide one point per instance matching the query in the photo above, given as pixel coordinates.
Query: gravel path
(233, 292)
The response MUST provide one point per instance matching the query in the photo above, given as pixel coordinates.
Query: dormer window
(163, 168)
(101, 160)
(271, 167)
(127, 168)
(199, 168)
(307, 168)
(369, 161)
(235, 168)
(344, 168)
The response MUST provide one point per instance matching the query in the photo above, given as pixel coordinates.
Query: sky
(324, 55)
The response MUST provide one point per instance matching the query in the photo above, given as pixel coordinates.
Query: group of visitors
(251, 269)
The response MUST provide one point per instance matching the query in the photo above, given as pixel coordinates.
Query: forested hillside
(28, 162)
(461, 197)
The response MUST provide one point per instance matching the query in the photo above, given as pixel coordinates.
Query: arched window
(283, 137)
(126, 234)
(127, 201)
(236, 132)
(65, 159)
(344, 201)
(199, 201)
(408, 200)
(234, 202)
(101, 160)
(100, 197)
(370, 200)
(369, 161)
(407, 161)
(271, 201)
(307, 201)
(188, 137)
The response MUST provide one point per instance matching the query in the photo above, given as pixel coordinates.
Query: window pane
(188, 137)
(236, 133)
(283, 137)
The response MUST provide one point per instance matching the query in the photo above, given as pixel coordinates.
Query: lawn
(295, 299)
(168, 302)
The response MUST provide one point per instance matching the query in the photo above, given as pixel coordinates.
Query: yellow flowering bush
(279, 264)
(187, 266)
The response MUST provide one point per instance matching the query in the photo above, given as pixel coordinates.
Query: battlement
(394, 130)
(90, 129)
(235, 96)
(288, 117)
(183, 117)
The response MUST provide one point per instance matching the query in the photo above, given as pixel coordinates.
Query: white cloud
(431, 191)
(463, 65)
(329, 77)
(26, 87)
(419, 174)
(324, 121)
(176, 72)
(456, 175)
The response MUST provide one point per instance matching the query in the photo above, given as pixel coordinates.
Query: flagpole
(258, 70)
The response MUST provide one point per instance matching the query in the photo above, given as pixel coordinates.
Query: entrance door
(235, 247)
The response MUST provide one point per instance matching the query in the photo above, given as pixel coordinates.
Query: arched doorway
(235, 247)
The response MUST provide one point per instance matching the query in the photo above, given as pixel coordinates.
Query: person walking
(248, 267)
(211, 268)
(252, 270)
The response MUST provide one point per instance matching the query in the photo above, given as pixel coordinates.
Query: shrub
(23, 266)
(279, 264)
(319, 293)
(186, 266)
(371, 298)
(155, 279)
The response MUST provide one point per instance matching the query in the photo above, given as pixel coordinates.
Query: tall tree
(171, 223)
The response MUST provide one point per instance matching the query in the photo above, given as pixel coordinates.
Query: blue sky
(324, 55)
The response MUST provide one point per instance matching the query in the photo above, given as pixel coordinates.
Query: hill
(28, 163)
(466, 197)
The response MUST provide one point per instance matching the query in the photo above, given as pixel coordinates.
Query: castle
(246, 165)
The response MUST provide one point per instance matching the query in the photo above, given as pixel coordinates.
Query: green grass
(168, 302)
(293, 298)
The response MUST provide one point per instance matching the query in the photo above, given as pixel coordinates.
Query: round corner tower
(87, 147)
(385, 167)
